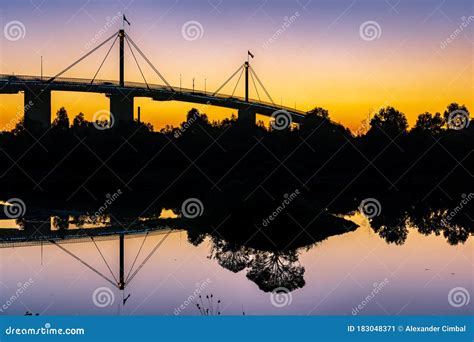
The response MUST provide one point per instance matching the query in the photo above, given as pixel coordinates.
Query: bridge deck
(15, 83)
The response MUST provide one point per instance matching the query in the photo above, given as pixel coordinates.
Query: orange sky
(319, 60)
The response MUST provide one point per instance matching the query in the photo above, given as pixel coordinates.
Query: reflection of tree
(391, 228)
(427, 222)
(21, 223)
(230, 256)
(195, 237)
(79, 220)
(455, 234)
(270, 270)
(427, 218)
(61, 222)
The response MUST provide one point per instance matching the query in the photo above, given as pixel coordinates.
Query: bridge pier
(121, 108)
(247, 116)
(37, 106)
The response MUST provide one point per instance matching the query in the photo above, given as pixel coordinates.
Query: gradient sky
(319, 60)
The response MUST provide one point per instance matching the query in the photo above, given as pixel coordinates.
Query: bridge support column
(121, 108)
(247, 116)
(37, 107)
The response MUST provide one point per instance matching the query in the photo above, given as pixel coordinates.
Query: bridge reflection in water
(56, 231)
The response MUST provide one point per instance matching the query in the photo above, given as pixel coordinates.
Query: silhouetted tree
(428, 122)
(456, 116)
(62, 120)
(79, 121)
(320, 112)
(19, 127)
(390, 121)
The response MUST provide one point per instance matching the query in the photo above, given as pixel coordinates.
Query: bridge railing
(106, 83)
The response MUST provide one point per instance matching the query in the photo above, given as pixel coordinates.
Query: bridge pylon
(37, 104)
(121, 35)
(246, 66)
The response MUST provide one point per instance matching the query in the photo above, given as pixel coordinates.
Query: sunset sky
(320, 59)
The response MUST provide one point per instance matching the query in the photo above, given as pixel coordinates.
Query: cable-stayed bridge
(37, 90)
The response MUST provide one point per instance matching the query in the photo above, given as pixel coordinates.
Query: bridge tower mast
(121, 56)
(246, 66)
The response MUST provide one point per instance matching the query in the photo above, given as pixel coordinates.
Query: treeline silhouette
(319, 155)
